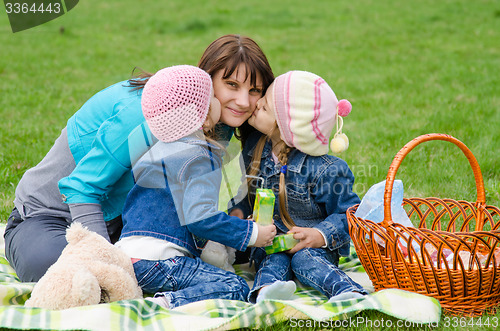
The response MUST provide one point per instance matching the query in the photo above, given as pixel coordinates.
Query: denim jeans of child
(314, 267)
(183, 280)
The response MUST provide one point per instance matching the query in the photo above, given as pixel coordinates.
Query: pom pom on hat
(175, 101)
(339, 143)
(344, 107)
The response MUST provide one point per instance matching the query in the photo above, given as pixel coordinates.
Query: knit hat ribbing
(306, 111)
(175, 101)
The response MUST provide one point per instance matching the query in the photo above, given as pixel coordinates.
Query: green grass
(408, 67)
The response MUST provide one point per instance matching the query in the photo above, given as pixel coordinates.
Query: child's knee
(301, 258)
(241, 288)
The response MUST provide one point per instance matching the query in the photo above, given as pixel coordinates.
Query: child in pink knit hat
(171, 211)
(314, 190)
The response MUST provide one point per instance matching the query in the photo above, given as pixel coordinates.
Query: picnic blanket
(309, 306)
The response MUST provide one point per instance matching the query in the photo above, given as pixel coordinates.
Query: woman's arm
(106, 161)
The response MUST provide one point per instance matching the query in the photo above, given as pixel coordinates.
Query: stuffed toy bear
(89, 271)
(219, 255)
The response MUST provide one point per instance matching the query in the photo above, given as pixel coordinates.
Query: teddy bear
(219, 255)
(89, 271)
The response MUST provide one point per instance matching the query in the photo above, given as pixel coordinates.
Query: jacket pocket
(300, 203)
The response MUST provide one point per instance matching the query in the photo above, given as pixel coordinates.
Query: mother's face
(238, 98)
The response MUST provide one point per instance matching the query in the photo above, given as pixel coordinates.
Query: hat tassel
(340, 142)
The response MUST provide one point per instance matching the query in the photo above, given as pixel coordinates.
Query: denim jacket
(319, 192)
(175, 197)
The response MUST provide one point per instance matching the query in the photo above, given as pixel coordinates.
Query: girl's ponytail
(283, 159)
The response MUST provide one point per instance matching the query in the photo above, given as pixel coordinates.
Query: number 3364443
(25, 8)
(463, 322)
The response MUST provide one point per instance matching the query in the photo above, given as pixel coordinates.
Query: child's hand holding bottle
(265, 235)
(309, 237)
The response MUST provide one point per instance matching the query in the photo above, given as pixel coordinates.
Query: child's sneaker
(159, 299)
(279, 290)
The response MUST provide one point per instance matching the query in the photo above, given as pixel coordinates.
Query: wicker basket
(453, 255)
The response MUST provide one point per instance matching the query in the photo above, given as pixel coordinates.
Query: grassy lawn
(408, 68)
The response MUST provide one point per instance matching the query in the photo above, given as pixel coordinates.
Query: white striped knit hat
(306, 111)
(175, 101)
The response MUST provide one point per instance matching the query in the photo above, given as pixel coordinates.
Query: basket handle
(391, 175)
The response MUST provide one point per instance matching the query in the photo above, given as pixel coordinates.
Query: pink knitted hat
(175, 101)
(306, 111)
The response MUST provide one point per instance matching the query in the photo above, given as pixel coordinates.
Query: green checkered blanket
(308, 309)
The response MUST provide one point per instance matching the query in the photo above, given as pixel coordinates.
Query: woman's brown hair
(227, 53)
(139, 79)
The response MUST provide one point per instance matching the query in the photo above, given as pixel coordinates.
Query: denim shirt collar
(295, 163)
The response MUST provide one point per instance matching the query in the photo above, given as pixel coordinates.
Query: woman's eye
(256, 90)
(232, 84)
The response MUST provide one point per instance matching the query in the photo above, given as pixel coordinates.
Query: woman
(86, 176)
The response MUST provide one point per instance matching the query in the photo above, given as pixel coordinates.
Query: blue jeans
(314, 267)
(183, 280)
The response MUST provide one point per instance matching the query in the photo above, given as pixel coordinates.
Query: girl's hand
(265, 236)
(309, 237)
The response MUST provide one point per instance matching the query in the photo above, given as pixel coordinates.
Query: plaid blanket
(309, 306)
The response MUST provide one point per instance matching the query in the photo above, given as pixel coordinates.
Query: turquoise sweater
(98, 139)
